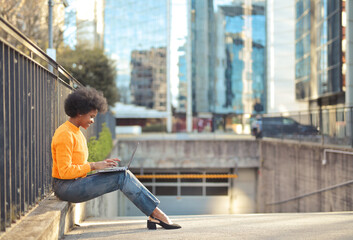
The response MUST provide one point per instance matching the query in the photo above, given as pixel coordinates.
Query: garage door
(184, 192)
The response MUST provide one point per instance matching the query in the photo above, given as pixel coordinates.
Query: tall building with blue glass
(136, 38)
(320, 57)
(228, 56)
(240, 63)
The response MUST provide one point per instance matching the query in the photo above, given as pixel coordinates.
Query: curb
(51, 219)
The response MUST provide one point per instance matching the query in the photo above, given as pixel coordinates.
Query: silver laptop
(119, 169)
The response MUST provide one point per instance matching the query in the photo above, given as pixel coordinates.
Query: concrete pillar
(349, 53)
(169, 97)
(188, 71)
(349, 64)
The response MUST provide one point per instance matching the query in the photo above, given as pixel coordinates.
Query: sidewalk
(247, 226)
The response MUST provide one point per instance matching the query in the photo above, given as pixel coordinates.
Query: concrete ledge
(49, 220)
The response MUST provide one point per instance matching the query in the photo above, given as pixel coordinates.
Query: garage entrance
(185, 192)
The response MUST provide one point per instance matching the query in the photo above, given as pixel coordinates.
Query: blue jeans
(95, 185)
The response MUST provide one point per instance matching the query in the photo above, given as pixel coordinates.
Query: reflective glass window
(322, 34)
(306, 44)
(307, 66)
(306, 23)
(333, 26)
(306, 4)
(299, 49)
(302, 89)
(332, 6)
(136, 38)
(334, 50)
(322, 58)
(299, 29)
(299, 8)
(299, 69)
(322, 82)
(334, 79)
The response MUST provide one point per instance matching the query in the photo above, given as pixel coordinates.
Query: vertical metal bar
(2, 142)
(27, 113)
(7, 138)
(13, 149)
(41, 127)
(39, 134)
(17, 146)
(31, 138)
(47, 110)
(44, 153)
(36, 135)
(22, 131)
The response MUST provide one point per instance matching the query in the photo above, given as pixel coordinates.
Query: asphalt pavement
(337, 225)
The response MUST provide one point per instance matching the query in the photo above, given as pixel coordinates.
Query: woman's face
(85, 120)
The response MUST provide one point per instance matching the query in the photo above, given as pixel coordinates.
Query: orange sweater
(69, 152)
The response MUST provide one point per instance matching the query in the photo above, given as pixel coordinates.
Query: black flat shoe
(152, 225)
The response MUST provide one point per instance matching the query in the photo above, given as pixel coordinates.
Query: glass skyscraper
(136, 38)
(319, 55)
(227, 63)
(228, 56)
(240, 64)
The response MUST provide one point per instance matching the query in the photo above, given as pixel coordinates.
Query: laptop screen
(133, 153)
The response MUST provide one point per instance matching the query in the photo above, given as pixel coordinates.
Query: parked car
(277, 126)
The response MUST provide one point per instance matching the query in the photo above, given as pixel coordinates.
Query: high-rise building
(202, 55)
(280, 62)
(136, 32)
(240, 81)
(90, 22)
(182, 87)
(228, 70)
(148, 78)
(320, 52)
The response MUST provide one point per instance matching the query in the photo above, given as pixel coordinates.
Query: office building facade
(320, 66)
(240, 82)
(136, 31)
(90, 23)
(148, 78)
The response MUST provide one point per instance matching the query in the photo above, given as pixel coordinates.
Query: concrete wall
(290, 169)
(242, 153)
(239, 154)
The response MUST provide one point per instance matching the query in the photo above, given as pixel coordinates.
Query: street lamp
(50, 50)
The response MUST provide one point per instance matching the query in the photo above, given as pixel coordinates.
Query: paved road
(246, 226)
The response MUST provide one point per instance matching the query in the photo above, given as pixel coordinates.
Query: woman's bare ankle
(159, 214)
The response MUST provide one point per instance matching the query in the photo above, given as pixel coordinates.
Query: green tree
(92, 68)
(31, 18)
(100, 148)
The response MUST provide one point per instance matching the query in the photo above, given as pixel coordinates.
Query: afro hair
(83, 100)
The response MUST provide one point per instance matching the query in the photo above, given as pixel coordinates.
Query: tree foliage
(31, 18)
(100, 148)
(92, 68)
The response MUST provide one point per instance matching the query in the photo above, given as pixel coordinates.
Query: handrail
(312, 193)
(14, 32)
(324, 160)
(20, 37)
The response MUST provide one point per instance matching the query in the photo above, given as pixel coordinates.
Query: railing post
(321, 125)
(2, 145)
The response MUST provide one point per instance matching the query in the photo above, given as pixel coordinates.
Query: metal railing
(31, 108)
(333, 124)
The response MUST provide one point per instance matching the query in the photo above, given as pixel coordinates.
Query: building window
(184, 186)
